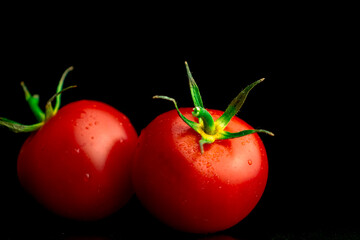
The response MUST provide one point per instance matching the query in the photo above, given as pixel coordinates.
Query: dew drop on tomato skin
(87, 177)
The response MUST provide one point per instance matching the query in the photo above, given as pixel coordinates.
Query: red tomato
(197, 192)
(78, 163)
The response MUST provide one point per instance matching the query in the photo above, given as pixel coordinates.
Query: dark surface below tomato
(134, 222)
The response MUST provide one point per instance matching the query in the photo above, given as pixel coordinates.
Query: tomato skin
(78, 164)
(193, 192)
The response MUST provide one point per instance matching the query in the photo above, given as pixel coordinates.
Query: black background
(123, 56)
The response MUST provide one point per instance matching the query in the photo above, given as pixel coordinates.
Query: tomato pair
(197, 170)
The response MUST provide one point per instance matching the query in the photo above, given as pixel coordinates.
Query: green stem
(33, 101)
(207, 120)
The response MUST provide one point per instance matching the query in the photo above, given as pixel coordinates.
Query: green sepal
(195, 92)
(18, 127)
(228, 135)
(59, 89)
(190, 123)
(49, 110)
(235, 105)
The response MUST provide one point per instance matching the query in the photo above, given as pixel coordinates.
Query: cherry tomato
(200, 170)
(197, 192)
(77, 160)
(78, 163)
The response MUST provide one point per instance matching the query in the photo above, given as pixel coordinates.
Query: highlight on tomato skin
(77, 160)
(200, 170)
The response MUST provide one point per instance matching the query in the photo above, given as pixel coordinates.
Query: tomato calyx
(33, 101)
(211, 130)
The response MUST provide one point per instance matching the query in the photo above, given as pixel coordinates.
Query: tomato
(77, 160)
(200, 170)
(78, 164)
(197, 192)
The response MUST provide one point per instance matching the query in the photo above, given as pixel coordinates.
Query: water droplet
(249, 162)
(87, 177)
(77, 150)
(92, 137)
(87, 128)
